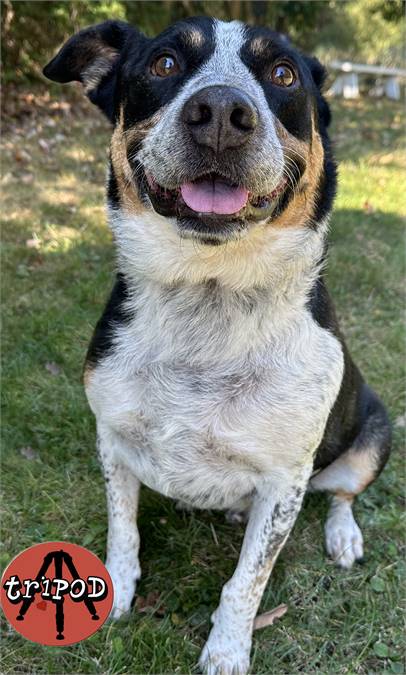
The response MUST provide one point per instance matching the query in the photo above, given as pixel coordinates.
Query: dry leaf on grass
(27, 178)
(151, 602)
(44, 145)
(29, 453)
(400, 422)
(368, 208)
(52, 368)
(268, 618)
(22, 156)
(33, 243)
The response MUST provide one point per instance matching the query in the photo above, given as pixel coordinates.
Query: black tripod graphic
(58, 557)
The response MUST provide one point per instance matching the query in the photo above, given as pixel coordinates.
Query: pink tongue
(214, 196)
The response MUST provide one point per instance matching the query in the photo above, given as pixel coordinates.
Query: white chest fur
(207, 393)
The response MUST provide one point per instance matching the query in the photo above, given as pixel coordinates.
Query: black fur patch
(141, 92)
(114, 314)
(291, 105)
(357, 413)
(113, 193)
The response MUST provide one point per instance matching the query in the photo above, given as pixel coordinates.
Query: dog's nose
(220, 117)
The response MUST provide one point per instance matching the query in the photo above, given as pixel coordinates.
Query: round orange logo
(56, 593)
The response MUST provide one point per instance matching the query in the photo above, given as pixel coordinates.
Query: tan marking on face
(258, 45)
(121, 141)
(300, 209)
(194, 38)
(129, 197)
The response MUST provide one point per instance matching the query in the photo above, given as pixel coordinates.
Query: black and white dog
(217, 373)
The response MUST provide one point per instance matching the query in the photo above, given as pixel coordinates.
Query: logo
(56, 593)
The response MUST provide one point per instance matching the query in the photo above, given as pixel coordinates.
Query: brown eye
(165, 65)
(283, 75)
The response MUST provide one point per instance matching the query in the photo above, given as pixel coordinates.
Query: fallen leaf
(27, 178)
(33, 243)
(29, 453)
(144, 604)
(368, 208)
(7, 178)
(400, 421)
(268, 618)
(44, 145)
(22, 156)
(52, 368)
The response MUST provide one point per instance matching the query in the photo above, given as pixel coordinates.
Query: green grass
(53, 292)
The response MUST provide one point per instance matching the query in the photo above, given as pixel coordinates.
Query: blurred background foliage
(359, 30)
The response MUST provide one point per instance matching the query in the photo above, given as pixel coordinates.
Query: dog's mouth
(213, 205)
(214, 194)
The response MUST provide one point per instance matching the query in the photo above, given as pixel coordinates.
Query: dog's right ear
(91, 57)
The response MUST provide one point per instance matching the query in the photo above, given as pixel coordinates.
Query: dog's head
(219, 126)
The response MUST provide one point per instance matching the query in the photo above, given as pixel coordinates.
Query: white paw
(225, 656)
(344, 541)
(124, 583)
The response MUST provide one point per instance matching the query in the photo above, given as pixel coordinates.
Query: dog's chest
(207, 429)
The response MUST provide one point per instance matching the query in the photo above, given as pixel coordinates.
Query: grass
(57, 269)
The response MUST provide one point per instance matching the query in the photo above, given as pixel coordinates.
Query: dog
(217, 373)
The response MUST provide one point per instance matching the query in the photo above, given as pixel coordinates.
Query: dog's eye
(165, 65)
(283, 75)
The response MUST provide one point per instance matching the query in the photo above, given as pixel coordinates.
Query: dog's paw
(344, 541)
(225, 656)
(124, 585)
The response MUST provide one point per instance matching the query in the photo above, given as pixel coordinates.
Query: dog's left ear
(319, 75)
(91, 57)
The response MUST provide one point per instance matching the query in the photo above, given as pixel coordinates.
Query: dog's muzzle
(220, 126)
(220, 118)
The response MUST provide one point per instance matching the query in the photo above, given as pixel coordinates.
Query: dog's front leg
(123, 540)
(272, 516)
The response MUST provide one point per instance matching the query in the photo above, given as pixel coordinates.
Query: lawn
(58, 262)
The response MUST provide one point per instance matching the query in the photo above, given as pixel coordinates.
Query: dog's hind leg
(349, 475)
(123, 540)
